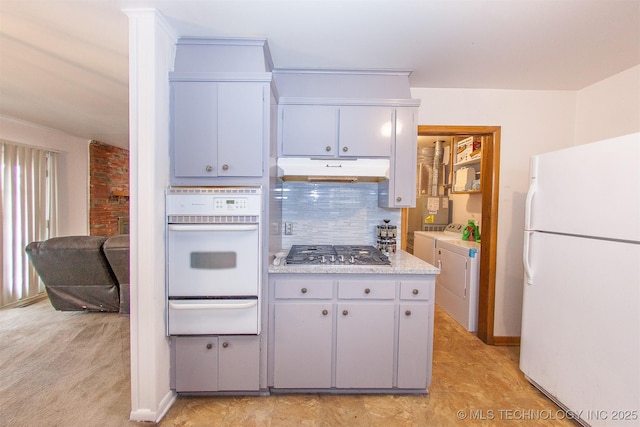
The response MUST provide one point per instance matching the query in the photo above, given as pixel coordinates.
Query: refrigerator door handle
(529, 203)
(533, 173)
(528, 206)
(528, 270)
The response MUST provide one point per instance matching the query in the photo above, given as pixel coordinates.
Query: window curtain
(28, 211)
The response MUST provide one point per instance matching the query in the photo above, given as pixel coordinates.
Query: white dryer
(424, 242)
(458, 282)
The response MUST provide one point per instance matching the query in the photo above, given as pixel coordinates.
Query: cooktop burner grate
(336, 255)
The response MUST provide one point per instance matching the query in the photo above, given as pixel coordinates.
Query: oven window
(213, 260)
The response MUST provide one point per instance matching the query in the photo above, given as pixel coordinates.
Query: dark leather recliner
(76, 273)
(116, 249)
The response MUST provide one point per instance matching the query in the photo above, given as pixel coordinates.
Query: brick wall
(109, 189)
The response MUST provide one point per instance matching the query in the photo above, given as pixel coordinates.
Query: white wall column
(151, 54)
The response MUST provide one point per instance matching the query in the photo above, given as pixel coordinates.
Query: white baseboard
(147, 415)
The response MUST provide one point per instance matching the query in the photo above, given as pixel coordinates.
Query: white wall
(466, 207)
(73, 169)
(609, 108)
(151, 57)
(531, 122)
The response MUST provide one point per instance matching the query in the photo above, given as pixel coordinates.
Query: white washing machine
(424, 242)
(458, 282)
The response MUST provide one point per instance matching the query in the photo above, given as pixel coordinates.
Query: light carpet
(64, 369)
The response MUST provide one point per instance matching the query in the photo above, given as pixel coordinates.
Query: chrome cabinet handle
(345, 312)
(398, 199)
(325, 312)
(303, 290)
(225, 167)
(415, 292)
(367, 291)
(328, 148)
(209, 346)
(407, 313)
(345, 149)
(225, 344)
(208, 168)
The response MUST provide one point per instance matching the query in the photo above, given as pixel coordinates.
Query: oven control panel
(229, 204)
(213, 202)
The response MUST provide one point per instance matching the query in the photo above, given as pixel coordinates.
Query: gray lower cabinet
(364, 346)
(347, 333)
(302, 333)
(414, 365)
(302, 343)
(217, 363)
(415, 333)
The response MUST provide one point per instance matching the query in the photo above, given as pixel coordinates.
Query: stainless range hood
(330, 170)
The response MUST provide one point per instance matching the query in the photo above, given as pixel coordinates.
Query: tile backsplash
(333, 213)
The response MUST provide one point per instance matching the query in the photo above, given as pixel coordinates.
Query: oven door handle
(217, 305)
(213, 227)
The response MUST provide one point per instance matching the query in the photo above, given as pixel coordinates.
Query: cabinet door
(364, 354)
(302, 345)
(309, 130)
(196, 364)
(239, 363)
(399, 191)
(194, 127)
(404, 159)
(240, 129)
(366, 131)
(414, 346)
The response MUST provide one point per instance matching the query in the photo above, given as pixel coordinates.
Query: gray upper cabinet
(336, 131)
(400, 190)
(217, 129)
(240, 128)
(220, 110)
(366, 131)
(194, 112)
(309, 130)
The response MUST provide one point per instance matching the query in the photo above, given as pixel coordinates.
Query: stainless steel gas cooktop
(336, 255)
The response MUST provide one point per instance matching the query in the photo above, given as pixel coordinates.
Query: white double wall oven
(213, 260)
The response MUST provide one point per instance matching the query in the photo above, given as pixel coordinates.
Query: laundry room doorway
(488, 191)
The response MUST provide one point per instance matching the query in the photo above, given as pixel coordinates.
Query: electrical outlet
(288, 228)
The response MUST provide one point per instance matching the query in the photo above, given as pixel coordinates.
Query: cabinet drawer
(416, 290)
(365, 289)
(307, 289)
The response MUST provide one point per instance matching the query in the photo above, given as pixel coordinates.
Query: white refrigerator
(580, 339)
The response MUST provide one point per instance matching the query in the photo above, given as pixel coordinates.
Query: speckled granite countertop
(401, 263)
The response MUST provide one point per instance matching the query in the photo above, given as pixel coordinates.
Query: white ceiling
(63, 63)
